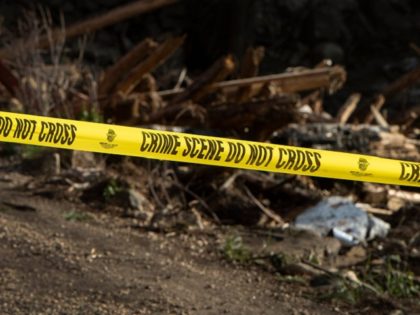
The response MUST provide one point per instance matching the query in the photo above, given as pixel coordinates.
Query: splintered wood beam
(202, 86)
(95, 23)
(115, 73)
(329, 78)
(249, 68)
(291, 82)
(348, 108)
(378, 117)
(158, 57)
(376, 105)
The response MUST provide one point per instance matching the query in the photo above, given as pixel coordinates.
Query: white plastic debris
(343, 219)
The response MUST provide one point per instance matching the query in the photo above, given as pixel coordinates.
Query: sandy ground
(52, 265)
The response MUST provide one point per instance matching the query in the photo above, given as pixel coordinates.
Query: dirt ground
(53, 265)
(62, 257)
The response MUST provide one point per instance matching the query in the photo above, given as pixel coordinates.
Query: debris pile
(229, 99)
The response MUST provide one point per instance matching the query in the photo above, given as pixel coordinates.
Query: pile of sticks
(230, 95)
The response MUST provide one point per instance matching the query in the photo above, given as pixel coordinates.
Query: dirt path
(52, 265)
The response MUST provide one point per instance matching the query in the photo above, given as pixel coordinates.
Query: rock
(139, 207)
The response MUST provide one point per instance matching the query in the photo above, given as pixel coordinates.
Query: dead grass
(51, 83)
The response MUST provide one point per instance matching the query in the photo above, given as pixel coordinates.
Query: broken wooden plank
(290, 82)
(115, 73)
(348, 108)
(126, 109)
(158, 57)
(377, 104)
(93, 24)
(202, 85)
(249, 68)
(380, 120)
(331, 78)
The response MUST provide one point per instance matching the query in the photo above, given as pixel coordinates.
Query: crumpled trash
(340, 217)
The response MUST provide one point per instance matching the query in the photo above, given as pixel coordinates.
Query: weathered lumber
(115, 73)
(377, 104)
(348, 108)
(126, 109)
(381, 121)
(93, 24)
(249, 68)
(159, 56)
(203, 84)
(331, 78)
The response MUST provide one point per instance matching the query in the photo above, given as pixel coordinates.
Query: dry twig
(268, 212)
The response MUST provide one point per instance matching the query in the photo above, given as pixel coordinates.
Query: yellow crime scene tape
(189, 148)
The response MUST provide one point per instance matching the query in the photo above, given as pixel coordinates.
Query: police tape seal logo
(110, 136)
(363, 165)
